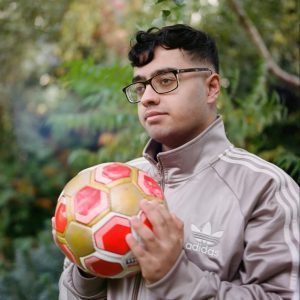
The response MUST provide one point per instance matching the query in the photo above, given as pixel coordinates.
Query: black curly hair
(198, 44)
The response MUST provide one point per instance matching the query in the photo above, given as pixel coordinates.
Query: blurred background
(62, 66)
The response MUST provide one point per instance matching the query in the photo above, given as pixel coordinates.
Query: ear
(213, 87)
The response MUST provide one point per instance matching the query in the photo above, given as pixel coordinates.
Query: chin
(164, 136)
(157, 134)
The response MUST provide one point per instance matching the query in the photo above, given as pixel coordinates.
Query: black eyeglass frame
(175, 72)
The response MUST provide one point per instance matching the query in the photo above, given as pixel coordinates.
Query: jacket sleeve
(73, 286)
(270, 264)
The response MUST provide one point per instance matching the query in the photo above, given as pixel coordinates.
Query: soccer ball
(92, 217)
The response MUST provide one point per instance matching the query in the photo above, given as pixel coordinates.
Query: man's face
(178, 116)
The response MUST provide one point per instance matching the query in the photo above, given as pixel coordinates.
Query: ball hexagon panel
(110, 234)
(60, 217)
(125, 199)
(78, 182)
(107, 173)
(149, 186)
(89, 203)
(80, 239)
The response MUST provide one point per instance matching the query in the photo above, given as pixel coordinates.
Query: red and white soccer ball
(92, 217)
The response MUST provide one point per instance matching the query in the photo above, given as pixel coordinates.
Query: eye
(165, 80)
(139, 88)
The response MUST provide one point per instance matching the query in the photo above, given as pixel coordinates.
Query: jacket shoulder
(238, 165)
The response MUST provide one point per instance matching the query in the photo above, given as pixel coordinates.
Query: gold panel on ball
(125, 199)
(79, 239)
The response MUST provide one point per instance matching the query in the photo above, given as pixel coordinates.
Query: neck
(165, 147)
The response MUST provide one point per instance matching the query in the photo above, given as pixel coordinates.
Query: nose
(150, 97)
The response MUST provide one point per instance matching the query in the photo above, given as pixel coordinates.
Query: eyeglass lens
(161, 83)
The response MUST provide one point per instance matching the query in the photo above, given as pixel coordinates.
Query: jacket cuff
(174, 280)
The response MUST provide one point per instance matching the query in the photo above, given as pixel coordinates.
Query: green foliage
(26, 22)
(169, 12)
(247, 116)
(35, 271)
(285, 14)
(289, 162)
(103, 110)
(31, 175)
(28, 196)
(251, 121)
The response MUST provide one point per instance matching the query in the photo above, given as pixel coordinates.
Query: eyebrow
(138, 78)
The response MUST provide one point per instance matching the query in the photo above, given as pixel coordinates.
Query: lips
(153, 114)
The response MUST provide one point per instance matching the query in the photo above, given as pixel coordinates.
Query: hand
(159, 249)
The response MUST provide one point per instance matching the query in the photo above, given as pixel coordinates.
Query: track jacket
(241, 226)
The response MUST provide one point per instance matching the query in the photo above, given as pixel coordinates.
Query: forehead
(164, 59)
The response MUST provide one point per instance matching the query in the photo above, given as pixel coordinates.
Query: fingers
(178, 222)
(158, 248)
(158, 216)
(165, 226)
(137, 249)
(144, 233)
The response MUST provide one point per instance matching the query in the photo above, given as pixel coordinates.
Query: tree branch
(290, 79)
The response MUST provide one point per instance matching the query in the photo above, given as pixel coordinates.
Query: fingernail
(128, 237)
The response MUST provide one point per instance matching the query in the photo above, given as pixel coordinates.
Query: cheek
(192, 95)
(190, 107)
(140, 112)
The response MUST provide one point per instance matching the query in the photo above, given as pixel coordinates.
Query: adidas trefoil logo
(205, 236)
(206, 240)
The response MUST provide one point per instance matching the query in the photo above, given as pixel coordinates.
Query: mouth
(153, 115)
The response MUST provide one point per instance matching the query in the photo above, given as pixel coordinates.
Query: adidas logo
(206, 240)
(205, 236)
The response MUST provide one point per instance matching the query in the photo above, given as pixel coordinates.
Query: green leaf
(165, 13)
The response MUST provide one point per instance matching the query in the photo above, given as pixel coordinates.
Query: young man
(232, 228)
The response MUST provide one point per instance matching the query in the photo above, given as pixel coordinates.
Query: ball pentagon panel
(112, 228)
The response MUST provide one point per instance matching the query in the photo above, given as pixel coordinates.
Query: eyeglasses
(161, 83)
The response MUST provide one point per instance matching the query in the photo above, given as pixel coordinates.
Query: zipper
(161, 174)
(136, 286)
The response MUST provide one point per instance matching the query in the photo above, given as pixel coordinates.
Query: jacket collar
(183, 162)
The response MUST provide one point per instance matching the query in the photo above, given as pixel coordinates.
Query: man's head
(198, 44)
(175, 83)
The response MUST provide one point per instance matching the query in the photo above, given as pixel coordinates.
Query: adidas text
(202, 248)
